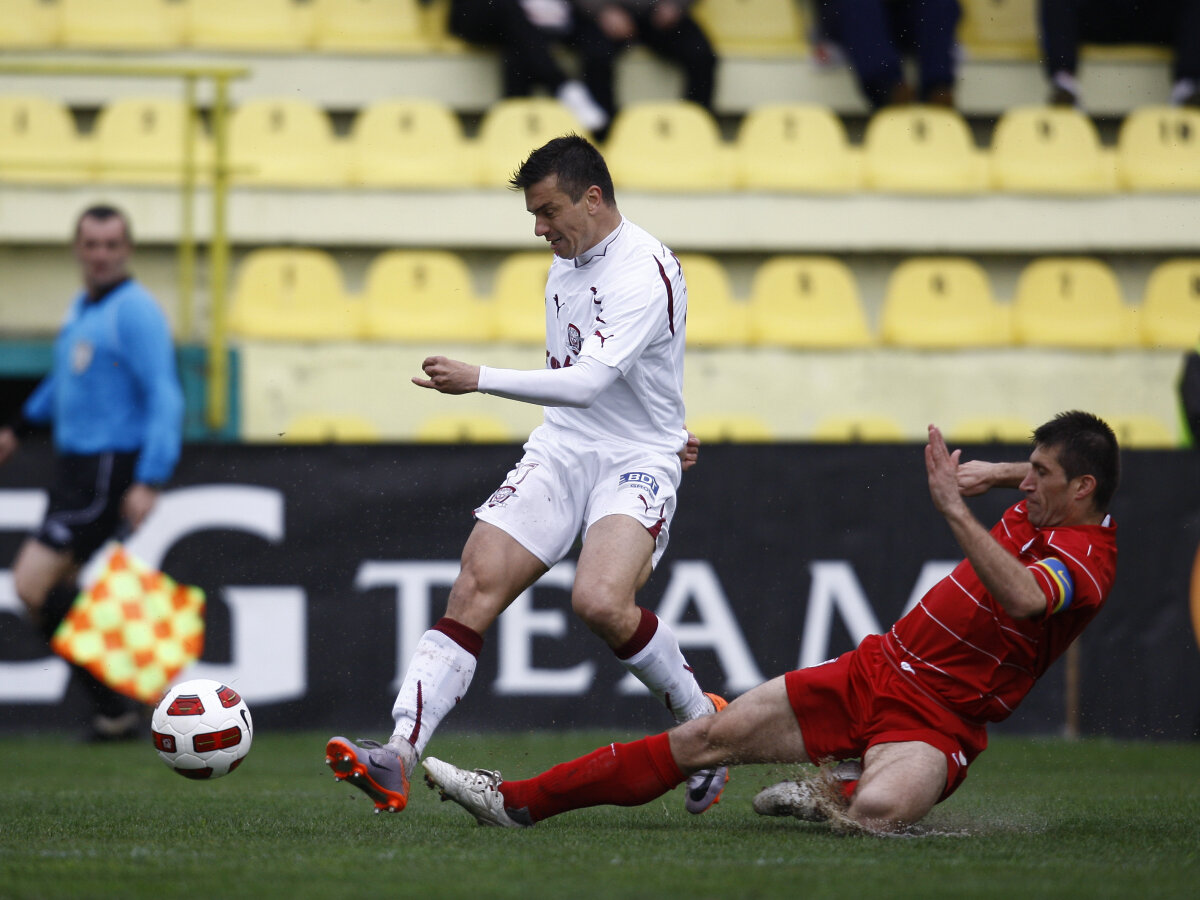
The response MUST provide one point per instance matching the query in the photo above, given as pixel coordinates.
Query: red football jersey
(958, 645)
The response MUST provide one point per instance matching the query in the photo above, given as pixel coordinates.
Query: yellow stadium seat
(464, 429)
(1141, 431)
(435, 23)
(39, 143)
(1170, 313)
(922, 149)
(1158, 149)
(714, 317)
(411, 144)
(807, 301)
(736, 428)
(122, 24)
(271, 25)
(1072, 302)
(668, 146)
(516, 126)
(991, 430)
(753, 27)
(330, 428)
(1000, 28)
(1050, 150)
(423, 295)
(29, 24)
(859, 428)
(293, 294)
(795, 147)
(942, 303)
(140, 140)
(285, 142)
(519, 298)
(376, 26)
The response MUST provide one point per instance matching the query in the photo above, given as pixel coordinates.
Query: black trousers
(1065, 24)
(686, 45)
(526, 50)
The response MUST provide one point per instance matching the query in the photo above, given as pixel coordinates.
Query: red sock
(848, 788)
(618, 775)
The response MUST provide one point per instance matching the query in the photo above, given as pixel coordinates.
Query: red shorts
(858, 700)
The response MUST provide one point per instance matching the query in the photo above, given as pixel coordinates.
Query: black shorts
(85, 502)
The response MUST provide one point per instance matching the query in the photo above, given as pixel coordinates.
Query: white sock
(438, 676)
(660, 666)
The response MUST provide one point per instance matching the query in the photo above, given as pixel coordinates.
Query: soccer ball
(202, 729)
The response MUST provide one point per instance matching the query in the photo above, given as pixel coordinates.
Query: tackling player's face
(1051, 498)
(568, 226)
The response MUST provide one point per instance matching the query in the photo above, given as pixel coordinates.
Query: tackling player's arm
(977, 477)
(1009, 582)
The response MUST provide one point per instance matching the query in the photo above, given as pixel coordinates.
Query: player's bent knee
(880, 810)
(600, 613)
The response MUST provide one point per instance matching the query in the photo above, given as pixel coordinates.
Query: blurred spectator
(1065, 24)
(525, 31)
(664, 26)
(874, 36)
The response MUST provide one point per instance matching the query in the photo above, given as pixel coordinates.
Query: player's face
(102, 248)
(569, 226)
(1049, 495)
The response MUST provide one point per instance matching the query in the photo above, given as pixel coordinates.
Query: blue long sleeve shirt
(113, 386)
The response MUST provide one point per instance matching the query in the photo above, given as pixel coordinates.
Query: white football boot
(477, 792)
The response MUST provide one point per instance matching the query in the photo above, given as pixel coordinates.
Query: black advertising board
(323, 564)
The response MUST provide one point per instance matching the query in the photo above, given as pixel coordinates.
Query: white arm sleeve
(578, 385)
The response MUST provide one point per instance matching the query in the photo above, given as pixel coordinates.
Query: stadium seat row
(1133, 431)
(795, 301)
(1144, 431)
(653, 146)
(260, 25)
(1006, 28)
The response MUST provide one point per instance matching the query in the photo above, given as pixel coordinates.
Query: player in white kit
(607, 461)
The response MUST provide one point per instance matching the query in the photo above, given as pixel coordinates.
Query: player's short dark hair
(577, 164)
(103, 212)
(1085, 445)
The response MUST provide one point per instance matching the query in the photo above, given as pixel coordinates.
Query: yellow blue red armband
(1062, 585)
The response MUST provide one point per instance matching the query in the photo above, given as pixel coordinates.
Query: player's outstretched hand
(448, 376)
(690, 454)
(942, 468)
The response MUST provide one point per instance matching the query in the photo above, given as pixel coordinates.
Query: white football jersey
(626, 307)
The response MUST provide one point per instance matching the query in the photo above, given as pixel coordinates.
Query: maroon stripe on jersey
(670, 296)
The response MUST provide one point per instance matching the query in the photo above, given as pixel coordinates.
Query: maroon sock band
(645, 630)
(467, 638)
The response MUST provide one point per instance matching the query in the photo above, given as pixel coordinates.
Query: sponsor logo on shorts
(642, 481)
(574, 339)
(501, 494)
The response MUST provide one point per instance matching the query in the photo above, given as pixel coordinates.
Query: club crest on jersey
(641, 481)
(574, 339)
(81, 356)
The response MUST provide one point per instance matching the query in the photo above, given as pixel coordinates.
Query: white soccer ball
(202, 729)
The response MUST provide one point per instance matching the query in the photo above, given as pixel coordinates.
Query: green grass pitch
(1036, 818)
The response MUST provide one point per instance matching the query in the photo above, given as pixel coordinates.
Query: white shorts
(559, 488)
